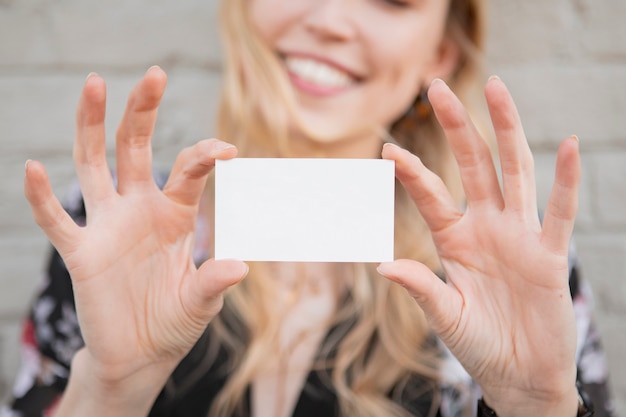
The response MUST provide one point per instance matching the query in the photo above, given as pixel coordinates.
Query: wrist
(569, 404)
(91, 392)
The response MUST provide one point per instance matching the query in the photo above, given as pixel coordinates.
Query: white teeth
(318, 73)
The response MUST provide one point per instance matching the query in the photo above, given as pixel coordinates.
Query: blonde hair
(384, 337)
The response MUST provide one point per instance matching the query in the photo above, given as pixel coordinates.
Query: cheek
(403, 80)
(271, 17)
(403, 64)
(407, 52)
(261, 19)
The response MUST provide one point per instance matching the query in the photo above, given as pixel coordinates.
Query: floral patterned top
(51, 336)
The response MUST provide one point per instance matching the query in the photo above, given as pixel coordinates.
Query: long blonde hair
(384, 337)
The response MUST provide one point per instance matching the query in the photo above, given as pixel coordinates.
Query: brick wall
(565, 62)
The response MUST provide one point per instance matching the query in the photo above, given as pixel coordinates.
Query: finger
(133, 144)
(472, 154)
(203, 293)
(188, 177)
(518, 171)
(47, 210)
(94, 174)
(425, 188)
(558, 222)
(441, 304)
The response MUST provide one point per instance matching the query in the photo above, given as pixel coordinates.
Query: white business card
(304, 210)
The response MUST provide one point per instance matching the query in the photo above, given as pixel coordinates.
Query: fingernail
(219, 147)
(389, 144)
(383, 268)
(575, 137)
(247, 270)
(91, 74)
(26, 164)
(493, 77)
(436, 81)
(153, 67)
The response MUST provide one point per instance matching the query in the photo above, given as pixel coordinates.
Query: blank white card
(304, 210)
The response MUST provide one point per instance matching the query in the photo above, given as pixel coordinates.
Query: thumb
(204, 293)
(439, 301)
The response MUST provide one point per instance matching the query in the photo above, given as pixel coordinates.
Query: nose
(331, 20)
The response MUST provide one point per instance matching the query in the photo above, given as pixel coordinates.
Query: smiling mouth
(317, 73)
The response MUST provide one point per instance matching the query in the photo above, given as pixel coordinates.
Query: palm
(139, 296)
(127, 262)
(505, 310)
(505, 284)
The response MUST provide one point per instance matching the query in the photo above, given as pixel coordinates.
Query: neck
(298, 279)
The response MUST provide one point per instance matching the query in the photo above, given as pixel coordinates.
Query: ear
(445, 61)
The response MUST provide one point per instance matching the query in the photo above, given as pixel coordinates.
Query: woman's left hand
(505, 310)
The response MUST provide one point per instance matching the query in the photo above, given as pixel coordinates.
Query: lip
(314, 89)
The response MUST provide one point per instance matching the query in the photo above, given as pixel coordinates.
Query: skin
(491, 313)
(141, 301)
(390, 51)
(509, 321)
(505, 311)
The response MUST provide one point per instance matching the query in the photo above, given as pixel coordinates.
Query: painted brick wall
(564, 60)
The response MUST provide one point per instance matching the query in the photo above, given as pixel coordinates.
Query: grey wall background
(564, 60)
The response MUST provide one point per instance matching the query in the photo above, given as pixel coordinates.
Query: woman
(311, 78)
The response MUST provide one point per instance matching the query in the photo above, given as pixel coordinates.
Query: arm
(141, 301)
(505, 312)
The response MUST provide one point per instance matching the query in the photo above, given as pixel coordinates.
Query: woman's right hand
(141, 301)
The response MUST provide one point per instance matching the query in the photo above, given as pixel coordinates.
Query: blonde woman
(170, 332)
